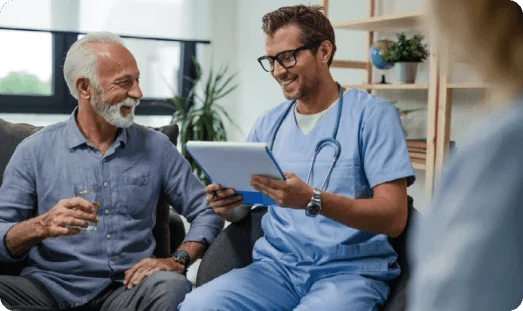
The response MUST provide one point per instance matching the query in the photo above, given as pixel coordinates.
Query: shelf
(419, 166)
(384, 22)
(349, 64)
(468, 85)
(388, 86)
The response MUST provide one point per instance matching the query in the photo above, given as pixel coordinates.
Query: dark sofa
(169, 231)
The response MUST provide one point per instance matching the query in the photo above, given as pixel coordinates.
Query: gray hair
(82, 60)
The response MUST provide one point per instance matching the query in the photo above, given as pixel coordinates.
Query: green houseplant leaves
(406, 50)
(199, 115)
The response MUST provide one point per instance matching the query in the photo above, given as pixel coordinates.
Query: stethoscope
(322, 143)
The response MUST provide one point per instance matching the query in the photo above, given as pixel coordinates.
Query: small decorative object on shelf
(407, 53)
(377, 51)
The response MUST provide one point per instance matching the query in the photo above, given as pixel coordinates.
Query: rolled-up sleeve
(186, 194)
(17, 197)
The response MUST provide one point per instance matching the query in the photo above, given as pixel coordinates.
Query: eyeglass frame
(276, 57)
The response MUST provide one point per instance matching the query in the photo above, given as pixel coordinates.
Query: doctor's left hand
(291, 192)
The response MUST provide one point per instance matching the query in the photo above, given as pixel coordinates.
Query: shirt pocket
(137, 193)
(347, 179)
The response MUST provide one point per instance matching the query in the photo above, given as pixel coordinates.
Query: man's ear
(325, 51)
(83, 87)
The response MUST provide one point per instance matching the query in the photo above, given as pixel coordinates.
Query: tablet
(231, 164)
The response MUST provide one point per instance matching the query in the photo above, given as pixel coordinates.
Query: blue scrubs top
(373, 151)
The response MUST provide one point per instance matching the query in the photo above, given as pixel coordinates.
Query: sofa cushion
(10, 136)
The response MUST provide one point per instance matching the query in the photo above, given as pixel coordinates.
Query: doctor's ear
(325, 51)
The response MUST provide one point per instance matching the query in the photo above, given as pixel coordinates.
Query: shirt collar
(76, 138)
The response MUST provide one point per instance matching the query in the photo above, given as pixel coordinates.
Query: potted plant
(406, 53)
(199, 115)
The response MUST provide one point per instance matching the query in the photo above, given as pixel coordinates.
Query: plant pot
(406, 72)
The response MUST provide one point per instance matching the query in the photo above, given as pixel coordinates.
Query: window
(31, 75)
(26, 64)
(159, 65)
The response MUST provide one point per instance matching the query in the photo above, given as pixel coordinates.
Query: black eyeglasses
(286, 59)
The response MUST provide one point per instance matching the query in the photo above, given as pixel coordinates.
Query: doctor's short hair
(82, 59)
(488, 34)
(314, 25)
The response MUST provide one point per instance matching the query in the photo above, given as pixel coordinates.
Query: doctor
(347, 169)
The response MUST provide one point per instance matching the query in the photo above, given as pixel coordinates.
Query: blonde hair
(491, 34)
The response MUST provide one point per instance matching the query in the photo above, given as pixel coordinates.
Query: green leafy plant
(199, 115)
(406, 50)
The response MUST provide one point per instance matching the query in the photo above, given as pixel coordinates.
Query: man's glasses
(286, 59)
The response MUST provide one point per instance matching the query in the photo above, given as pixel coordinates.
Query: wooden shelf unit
(385, 22)
(469, 85)
(419, 166)
(387, 86)
(393, 23)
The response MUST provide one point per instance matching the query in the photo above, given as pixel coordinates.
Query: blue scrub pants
(267, 285)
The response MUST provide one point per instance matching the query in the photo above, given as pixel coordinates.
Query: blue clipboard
(231, 164)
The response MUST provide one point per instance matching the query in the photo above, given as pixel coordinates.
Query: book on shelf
(420, 161)
(420, 144)
(417, 150)
(418, 155)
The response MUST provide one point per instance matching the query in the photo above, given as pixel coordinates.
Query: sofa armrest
(176, 230)
(232, 248)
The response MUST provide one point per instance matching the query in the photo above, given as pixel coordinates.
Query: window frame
(61, 101)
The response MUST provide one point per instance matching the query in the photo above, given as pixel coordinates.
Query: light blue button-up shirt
(139, 166)
(467, 249)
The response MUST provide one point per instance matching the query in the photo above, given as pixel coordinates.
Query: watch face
(313, 208)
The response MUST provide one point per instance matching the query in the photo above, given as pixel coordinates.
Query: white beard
(111, 113)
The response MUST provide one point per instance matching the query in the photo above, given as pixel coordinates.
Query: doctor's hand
(291, 192)
(222, 200)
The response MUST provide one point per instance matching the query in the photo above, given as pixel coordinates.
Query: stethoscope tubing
(322, 143)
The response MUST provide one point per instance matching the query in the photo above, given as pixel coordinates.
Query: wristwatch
(181, 256)
(314, 207)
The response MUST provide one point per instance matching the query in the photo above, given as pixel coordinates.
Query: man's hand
(291, 192)
(148, 266)
(68, 212)
(221, 199)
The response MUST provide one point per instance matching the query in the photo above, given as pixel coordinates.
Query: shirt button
(85, 300)
(106, 212)
(106, 184)
(108, 236)
(111, 262)
(77, 304)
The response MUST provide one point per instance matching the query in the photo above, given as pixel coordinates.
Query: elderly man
(127, 167)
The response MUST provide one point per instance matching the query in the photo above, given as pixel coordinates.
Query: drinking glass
(87, 192)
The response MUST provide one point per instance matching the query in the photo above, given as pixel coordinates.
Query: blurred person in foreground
(111, 268)
(468, 248)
